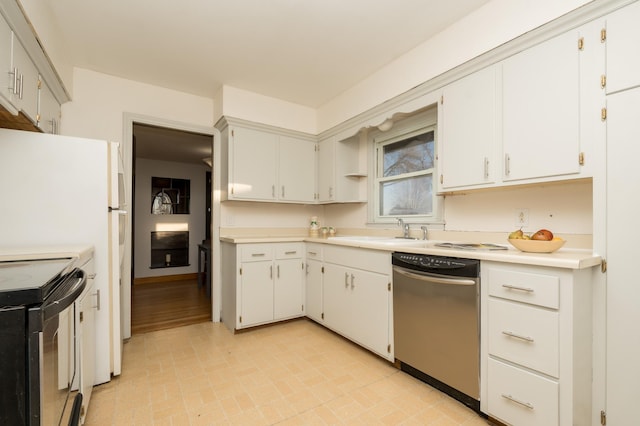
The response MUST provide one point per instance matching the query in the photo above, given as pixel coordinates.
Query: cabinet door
(313, 290)
(287, 294)
(27, 98)
(326, 170)
(623, 291)
(6, 76)
(87, 313)
(297, 172)
(369, 310)
(48, 110)
(468, 130)
(254, 159)
(337, 299)
(623, 55)
(256, 304)
(541, 110)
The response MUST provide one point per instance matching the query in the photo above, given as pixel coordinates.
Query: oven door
(52, 349)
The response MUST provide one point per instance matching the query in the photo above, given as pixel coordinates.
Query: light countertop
(570, 258)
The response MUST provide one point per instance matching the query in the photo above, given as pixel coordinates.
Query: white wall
(242, 214)
(145, 222)
(490, 26)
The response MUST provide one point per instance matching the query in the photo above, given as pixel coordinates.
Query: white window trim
(410, 126)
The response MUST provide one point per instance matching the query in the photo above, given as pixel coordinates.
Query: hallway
(159, 305)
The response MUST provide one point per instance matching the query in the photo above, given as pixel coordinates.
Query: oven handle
(437, 279)
(74, 291)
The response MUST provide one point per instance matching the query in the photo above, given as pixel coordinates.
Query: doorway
(173, 148)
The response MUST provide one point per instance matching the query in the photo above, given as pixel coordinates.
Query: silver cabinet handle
(486, 167)
(97, 294)
(21, 86)
(291, 252)
(507, 166)
(257, 254)
(346, 279)
(517, 336)
(352, 279)
(15, 81)
(273, 191)
(307, 269)
(524, 404)
(312, 253)
(278, 271)
(271, 272)
(331, 192)
(513, 287)
(282, 191)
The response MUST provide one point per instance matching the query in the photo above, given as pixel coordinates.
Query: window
(404, 176)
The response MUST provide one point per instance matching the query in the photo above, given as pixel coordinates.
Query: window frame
(404, 129)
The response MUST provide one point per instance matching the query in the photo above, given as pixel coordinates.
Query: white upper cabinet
(265, 165)
(6, 77)
(297, 170)
(623, 49)
(541, 106)
(253, 169)
(48, 110)
(339, 171)
(467, 130)
(25, 78)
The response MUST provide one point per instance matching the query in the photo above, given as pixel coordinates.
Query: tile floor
(295, 373)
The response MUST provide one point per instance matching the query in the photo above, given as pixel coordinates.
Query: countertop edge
(563, 258)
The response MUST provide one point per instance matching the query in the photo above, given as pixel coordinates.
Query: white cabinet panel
(254, 161)
(467, 130)
(623, 291)
(541, 102)
(48, 110)
(87, 306)
(623, 54)
(288, 290)
(313, 289)
(256, 293)
(6, 72)
(27, 97)
(297, 171)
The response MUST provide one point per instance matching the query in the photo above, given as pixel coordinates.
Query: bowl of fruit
(541, 241)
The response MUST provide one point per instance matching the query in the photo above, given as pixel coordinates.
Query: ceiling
(302, 51)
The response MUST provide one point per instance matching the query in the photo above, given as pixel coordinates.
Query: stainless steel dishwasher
(436, 322)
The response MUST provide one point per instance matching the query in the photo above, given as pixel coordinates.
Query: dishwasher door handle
(431, 278)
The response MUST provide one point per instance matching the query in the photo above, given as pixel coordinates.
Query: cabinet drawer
(313, 251)
(521, 398)
(527, 287)
(289, 251)
(524, 335)
(256, 252)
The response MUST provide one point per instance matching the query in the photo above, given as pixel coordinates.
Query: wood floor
(168, 304)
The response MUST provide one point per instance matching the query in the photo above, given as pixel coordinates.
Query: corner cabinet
(536, 347)
(265, 284)
(357, 297)
(339, 171)
(267, 164)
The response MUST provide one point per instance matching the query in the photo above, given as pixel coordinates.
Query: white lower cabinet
(536, 344)
(267, 284)
(357, 297)
(314, 271)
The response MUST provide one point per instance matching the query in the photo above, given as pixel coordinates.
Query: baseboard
(165, 278)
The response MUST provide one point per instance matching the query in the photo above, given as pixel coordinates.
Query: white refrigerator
(61, 191)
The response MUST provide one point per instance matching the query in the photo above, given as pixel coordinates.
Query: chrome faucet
(405, 228)
(425, 232)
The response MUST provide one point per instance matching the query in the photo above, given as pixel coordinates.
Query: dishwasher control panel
(453, 266)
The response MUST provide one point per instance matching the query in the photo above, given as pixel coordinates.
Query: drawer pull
(517, 336)
(257, 254)
(312, 253)
(291, 252)
(524, 404)
(513, 287)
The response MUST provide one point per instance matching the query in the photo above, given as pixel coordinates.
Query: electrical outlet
(521, 218)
